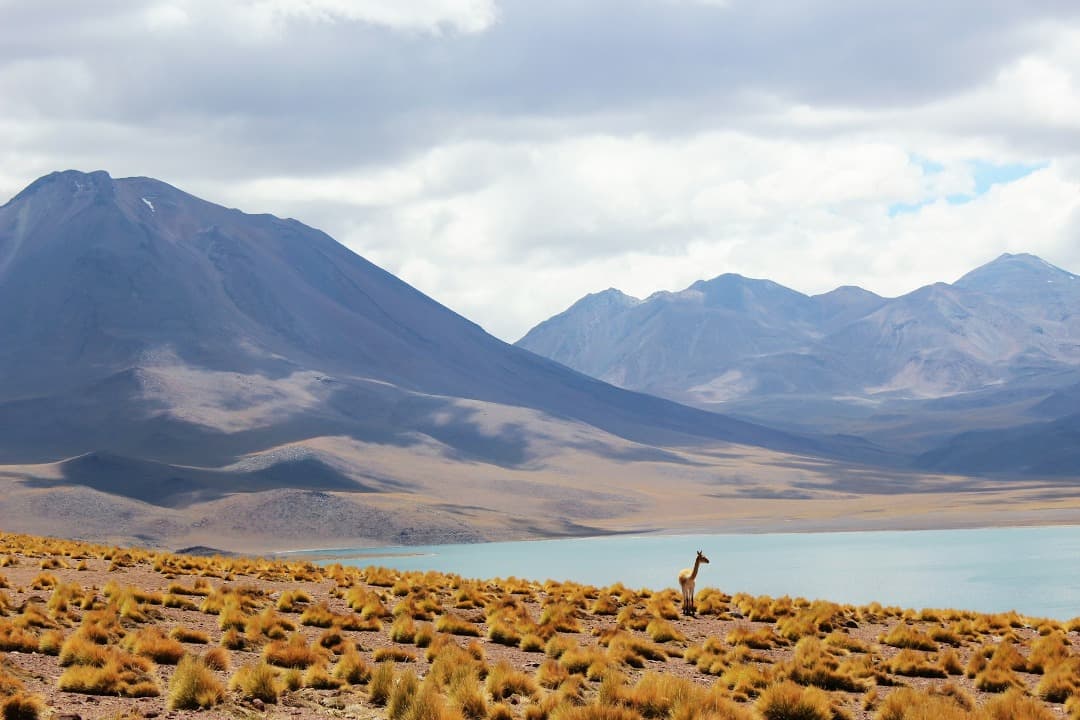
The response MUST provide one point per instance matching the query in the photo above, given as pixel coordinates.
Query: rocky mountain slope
(163, 350)
(981, 353)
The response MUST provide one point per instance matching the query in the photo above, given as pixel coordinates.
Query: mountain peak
(67, 183)
(1009, 270)
(611, 296)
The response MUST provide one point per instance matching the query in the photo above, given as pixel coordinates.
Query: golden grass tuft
(401, 696)
(152, 643)
(22, 707)
(504, 680)
(351, 668)
(318, 678)
(788, 701)
(456, 625)
(292, 600)
(761, 638)
(905, 636)
(1015, 705)
(403, 629)
(187, 635)
(813, 664)
(910, 704)
(217, 658)
(13, 638)
(260, 681)
(913, 663)
(382, 683)
(662, 631)
(194, 685)
(120, 675)
(394, 654)
(293, 653)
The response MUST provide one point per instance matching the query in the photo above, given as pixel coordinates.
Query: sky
(507, 157)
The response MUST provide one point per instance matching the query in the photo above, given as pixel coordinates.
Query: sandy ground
(576, 483)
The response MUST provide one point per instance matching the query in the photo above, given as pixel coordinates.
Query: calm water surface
(1032, 570)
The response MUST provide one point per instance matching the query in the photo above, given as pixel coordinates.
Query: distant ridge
(1006, 335)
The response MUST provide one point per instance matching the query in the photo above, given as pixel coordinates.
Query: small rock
(258, 704)
(150, 714)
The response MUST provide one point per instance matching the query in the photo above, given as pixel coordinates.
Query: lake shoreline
(986, 569)
(671, 532)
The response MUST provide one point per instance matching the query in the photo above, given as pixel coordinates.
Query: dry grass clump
(217, 658)
(711, 657)
(44, 581)
(351, 668)
(266, 625)
(762, 638)
(909, 704)
(818, 618)
(291, 600)
(21, 706)
(194, 685)
(318, 615)
(118, 673)
(295, 652)
(403, 630)
(200, 588)
(187, 635)
(50, 642)
(152, 643)
(560, 616)
(997, 678)
(504, 680)
(260, 681)
(843, 641)
(13, 638)
(1015, 705)
(745, 681)
(788, 701)
(456, 625)
(661, 631)
(1060, 681)
(402, 694)
(814, 664)
(381, 684)
(905, 636)
(394, 655)
(1050, 649)
(605, 604)
(914, 663)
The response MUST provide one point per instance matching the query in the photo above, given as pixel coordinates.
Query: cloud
(508, 157)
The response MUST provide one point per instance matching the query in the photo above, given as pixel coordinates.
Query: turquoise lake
(1032, 569)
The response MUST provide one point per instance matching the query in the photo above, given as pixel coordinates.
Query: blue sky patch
(985, 174)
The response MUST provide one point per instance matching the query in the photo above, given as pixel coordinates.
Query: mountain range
(997, 352)
(181, 364)
(176, 373)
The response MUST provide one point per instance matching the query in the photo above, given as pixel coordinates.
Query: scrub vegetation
(149, 632)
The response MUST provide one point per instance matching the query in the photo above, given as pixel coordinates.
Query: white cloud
(508, 158)
(467, 16)
(510, 233)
